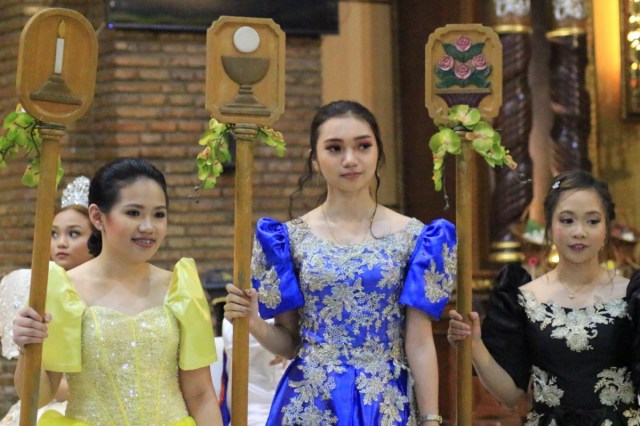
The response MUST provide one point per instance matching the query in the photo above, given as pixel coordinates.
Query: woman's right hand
(459, 330)
(29, 327)
(241, 304)
(279, 360)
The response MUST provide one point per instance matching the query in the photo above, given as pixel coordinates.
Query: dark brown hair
(110, 179)
(578, 180)
(331, 110)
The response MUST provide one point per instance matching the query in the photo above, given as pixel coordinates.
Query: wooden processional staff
(463, 71)
(56, 76)
(245, 88)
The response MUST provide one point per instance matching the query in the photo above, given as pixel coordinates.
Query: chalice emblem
(245, 71)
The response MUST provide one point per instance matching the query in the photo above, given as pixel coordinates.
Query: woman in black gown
(567, 336)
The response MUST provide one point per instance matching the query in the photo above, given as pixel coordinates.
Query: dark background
(294, 16)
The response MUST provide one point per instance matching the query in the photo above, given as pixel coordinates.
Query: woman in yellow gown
(134, 340)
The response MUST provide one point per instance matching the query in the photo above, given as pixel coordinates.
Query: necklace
(366, 234)
(572, 294)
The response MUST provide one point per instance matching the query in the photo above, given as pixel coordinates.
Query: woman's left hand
(459, 330)
(241, 304)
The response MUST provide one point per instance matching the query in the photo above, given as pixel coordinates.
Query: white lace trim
(576, 326)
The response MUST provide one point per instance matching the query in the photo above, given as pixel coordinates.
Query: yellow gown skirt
(54, 418)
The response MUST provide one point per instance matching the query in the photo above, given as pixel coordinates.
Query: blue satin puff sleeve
(431, 271)
(272, 270)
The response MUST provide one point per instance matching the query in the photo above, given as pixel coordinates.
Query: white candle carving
(59, 48)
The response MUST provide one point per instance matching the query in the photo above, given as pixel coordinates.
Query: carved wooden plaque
(57, 64)
(245, 70)
(463, 65)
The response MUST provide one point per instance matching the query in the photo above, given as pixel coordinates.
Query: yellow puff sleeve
(61, 350)
(188, 304)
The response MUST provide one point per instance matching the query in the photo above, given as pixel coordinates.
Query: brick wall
(149, 102)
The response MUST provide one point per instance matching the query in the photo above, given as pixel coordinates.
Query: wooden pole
(62, 41)
(242, 244)
(446, 44)
(464, 210)
(464, 227)
(241, 90)
(45, 203)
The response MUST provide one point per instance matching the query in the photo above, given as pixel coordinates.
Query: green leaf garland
(216, 149)
(465, 125)
(21, 134)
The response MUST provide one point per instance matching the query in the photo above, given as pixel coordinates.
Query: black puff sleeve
(633, 301)
(504, 327)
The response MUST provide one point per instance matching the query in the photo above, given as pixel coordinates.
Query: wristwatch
(430, 417)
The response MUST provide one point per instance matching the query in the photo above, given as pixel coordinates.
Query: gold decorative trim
(506, 252)
(563, 32)
(502, 245)
(513, 28)
(506, 257)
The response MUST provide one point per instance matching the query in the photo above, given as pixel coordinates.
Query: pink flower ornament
(463, 71)
(479, 62)
(463, 43)
(445, 63)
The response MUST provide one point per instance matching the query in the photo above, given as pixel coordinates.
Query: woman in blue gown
(353, 287)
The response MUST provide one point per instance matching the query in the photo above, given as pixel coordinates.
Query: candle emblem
(60, 47)
(55, 89)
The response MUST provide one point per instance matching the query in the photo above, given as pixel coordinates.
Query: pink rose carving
(445, 63)
(479, 62)
(463, 71)
(463, 43)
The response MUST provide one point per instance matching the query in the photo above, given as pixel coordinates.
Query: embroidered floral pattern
(14, 294)
(545, 389)
(633, 417)
(351, 322)
(269, 292)
(533, 419)
(576, 389)
(576, 326)
(441, 284)
(615, 386)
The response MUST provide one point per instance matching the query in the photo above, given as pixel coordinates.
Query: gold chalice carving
(246, 71)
